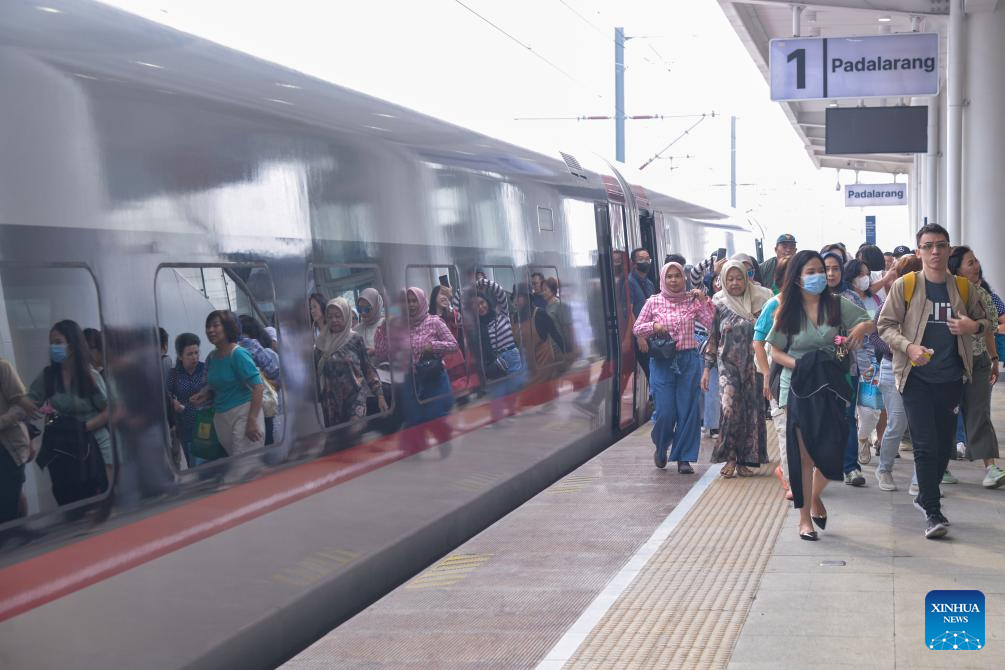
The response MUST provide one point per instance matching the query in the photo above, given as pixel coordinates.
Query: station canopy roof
(757, 22)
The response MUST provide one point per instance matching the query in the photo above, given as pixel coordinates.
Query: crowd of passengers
(838, 351)
(228, 403)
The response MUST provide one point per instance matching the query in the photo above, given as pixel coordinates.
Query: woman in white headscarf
(742, 440)
(371, 316)
(344, 368)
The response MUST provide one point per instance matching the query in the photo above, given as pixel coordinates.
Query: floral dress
(344, 377)
(742, 433)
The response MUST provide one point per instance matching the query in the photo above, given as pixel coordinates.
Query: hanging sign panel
(870, 66)
(875, 195)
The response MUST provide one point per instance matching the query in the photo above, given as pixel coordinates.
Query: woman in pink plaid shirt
(675, 383)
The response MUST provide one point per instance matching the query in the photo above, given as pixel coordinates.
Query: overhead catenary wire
(531, 49)
(600, 117)
(605, 36)
(659, 153)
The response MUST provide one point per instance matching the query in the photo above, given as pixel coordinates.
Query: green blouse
(812, 338)
(82, 409)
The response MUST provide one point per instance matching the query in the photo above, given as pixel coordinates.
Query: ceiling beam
(920, 7)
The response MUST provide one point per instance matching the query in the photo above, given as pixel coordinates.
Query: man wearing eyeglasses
(926, 321)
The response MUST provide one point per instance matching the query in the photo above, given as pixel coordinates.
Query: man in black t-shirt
(927, 321)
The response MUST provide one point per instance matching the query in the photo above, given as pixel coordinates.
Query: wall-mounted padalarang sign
(875, 195)
(808, 68)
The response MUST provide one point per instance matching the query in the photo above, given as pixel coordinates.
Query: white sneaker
(913, 490)
(994, 478)
(864, 451)
(961, 450)
(885, 480)
(949, 478)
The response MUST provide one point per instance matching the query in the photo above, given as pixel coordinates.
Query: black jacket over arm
(819, 395)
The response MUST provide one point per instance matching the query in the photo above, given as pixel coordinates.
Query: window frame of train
(378, 285)
(36, 442)
(517, 334)
(254, 311)
(454, 283)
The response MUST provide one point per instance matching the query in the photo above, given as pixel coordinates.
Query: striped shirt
(678, 317)
(500, 329)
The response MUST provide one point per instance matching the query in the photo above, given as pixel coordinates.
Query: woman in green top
(234, 387)
(71, 387)
(808, 319)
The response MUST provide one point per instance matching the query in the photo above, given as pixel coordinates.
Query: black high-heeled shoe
(820, 521)
(810, 535)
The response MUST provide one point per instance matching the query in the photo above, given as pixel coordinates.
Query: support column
(954, 142)
(984, 144)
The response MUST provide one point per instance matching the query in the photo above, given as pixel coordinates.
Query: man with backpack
(925, 321)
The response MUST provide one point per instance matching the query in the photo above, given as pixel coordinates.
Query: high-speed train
(147, 178)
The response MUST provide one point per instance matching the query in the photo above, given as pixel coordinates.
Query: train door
(648, 241)
(617, 309)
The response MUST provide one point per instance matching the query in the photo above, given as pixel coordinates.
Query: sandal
(744, 471)
(728, 471)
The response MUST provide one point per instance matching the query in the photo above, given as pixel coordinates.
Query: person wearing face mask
(864, 369)
(742, 441)
(69, 391)
(672, 313)
(807, 322)
(641, 288)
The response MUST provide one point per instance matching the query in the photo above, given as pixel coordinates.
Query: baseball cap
(901, 251)
(785, 239)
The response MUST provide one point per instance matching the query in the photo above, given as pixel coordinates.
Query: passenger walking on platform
(864, 369)
(345, 369)
(671, 315)
(896, 424)
(75, 400)
(926, 322)
(807, 322)
(742, 441)
(316, 311)
(785, 247)
(982, 441)
(186, 378)
(234, 387)
(425, 393)
(442, 305)
(641, 288)
(834, 270)
(771, 374)
(15, 447)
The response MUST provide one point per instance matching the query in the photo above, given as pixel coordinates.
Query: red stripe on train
(60, 572)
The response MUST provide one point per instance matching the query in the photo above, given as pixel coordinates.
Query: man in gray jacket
(925, 321)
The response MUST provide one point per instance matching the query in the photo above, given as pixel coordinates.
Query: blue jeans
(851, 447)
(710, 401)
(961, 427)
(676, 393)
(896, 417)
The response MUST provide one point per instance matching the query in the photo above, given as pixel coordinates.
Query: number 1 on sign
(799, 55)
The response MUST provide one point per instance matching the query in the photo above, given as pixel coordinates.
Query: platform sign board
(868, 66)
(870, 230)
(875, 195)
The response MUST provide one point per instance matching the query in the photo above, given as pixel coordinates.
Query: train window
(48, 315)
(545, 219)
(548, 296)
(352, 381)
(186, 295)
(442, 288)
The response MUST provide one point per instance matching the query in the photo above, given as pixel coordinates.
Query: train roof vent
(574, 167)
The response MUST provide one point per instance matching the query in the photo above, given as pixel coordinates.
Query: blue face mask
(750, 274)
(57, 353)
(815, 284)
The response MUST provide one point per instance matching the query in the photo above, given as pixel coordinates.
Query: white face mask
(862, 283)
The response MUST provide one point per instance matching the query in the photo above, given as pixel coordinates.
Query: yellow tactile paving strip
(686, 608)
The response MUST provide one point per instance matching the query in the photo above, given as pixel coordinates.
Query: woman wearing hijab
(344, 368)
(441, 305)
(371, 316)
(426, 394)
(742, 438)
(672, 313)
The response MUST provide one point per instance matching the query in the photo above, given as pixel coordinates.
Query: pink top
(678, 317)
(431, 331)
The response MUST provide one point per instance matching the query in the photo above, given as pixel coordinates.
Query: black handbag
(75, 464)
(662, 348)
(428, 369)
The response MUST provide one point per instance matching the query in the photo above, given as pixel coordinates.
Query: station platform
(622, 565)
